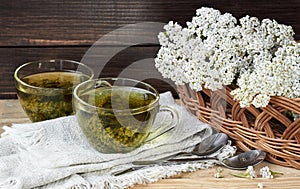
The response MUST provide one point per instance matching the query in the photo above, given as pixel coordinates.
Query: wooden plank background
(39, 29)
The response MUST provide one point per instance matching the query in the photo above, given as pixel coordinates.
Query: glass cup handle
(103, 84)
(165, 128)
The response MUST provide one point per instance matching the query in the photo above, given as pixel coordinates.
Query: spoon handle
(177, 160)
(146, 164)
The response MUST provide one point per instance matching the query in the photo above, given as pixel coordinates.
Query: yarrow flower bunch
(264, 172)
(261, 59)
(249, 173)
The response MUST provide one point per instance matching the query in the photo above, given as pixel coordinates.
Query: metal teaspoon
(206, 147)
(240, 161)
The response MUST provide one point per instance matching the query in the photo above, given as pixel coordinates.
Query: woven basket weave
(268, 129)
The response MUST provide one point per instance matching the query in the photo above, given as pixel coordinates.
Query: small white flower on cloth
(54, 154)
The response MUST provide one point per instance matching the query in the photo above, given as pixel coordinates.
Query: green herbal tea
(54, 100)
(122, 121)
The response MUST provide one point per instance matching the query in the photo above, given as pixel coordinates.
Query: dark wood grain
(14, 57)
(40, 29)
(122, 64)
(77, 22)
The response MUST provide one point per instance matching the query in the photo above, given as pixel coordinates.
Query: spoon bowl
(210, 145)
(243, 160)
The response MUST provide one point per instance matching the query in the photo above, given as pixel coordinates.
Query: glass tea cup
(116, 115)
(45, 87)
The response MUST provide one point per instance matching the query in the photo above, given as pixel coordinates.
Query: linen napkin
(55, 154)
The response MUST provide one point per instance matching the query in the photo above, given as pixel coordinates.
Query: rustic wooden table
(11, 112)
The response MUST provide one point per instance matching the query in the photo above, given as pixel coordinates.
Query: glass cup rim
(130, 110)
(47, 61)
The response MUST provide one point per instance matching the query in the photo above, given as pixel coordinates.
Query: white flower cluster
(252, 173)
(273, 64)
(265, 172)
(261, 58)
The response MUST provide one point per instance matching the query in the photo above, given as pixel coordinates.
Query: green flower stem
(243, 175)
(276, 173)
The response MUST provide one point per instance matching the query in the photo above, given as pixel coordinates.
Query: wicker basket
(268, 129)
